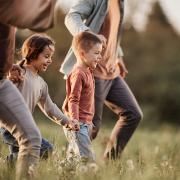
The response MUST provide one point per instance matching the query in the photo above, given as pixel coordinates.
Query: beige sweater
(35, 91)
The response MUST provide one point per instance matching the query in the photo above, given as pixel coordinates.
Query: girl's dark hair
(33, 46)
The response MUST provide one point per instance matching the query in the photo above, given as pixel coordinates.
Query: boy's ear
(81, 53)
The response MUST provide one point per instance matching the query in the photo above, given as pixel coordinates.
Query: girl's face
(44, 59)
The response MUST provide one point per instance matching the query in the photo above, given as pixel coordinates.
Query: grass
(152, 154)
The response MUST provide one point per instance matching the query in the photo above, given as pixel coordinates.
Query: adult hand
(16, 74)
(123, 69)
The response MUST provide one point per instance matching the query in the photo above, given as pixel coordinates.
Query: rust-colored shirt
(108, 67)
(79, 102)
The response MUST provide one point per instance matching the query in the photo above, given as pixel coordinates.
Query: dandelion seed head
(93, 167)
(130, 164)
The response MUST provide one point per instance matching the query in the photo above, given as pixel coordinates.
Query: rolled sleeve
(74, 20)
(120, 52)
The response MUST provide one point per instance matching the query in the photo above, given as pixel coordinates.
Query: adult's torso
(108, 68)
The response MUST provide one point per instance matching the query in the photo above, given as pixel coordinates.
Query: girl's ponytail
(21, 63)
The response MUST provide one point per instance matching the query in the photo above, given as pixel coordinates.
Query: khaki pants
(17, 119)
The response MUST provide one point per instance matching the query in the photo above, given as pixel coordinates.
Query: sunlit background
(137, 11)
(151, 42)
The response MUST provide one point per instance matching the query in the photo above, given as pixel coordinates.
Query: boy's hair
(34, 45)
(85, 41)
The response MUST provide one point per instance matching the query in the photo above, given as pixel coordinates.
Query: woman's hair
(33, 46)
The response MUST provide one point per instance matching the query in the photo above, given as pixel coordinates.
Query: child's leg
(84, 142)
(14, 151)
(7, 137)
(72, 149)
(46, 149)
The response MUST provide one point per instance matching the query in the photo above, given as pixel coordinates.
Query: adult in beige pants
(14, 114)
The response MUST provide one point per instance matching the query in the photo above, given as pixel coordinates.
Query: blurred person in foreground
(38, 16)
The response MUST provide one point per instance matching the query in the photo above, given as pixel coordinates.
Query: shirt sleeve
(76, 83)
(50, 109)
(36, 15)
(120, 51)
(79, 12)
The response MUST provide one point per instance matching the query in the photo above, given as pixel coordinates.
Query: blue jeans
(46, 147)
(80, 144)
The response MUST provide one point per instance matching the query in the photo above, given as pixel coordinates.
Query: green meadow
(152, 154)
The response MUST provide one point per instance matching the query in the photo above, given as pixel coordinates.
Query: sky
(171, 8)
(142, 10)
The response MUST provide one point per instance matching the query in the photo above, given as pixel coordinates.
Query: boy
(79, 102)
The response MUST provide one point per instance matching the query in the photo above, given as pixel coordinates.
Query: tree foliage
(152, 58)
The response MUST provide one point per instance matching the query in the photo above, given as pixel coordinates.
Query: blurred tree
(153, 61)
(152, 58)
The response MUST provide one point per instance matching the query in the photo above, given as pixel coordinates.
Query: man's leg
(17, 119)
(122, 102)
(102, 88)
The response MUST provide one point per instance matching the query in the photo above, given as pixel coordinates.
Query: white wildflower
(130, 164)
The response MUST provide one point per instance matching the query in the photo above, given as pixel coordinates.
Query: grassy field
(152, 154)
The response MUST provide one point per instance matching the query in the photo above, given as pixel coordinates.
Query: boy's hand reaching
(73, 125)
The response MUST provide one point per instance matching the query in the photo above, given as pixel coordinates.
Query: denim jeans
(46, 147)
(80, 144)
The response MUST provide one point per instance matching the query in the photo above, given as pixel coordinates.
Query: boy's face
(44, 59)
(93, 56)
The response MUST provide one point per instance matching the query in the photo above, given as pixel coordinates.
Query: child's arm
(73, 125)
(51, 110)
(76, 83)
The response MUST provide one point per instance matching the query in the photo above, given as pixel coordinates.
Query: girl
(37, 52)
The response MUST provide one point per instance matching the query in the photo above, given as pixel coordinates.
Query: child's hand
(16, 74)
(73, 125)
